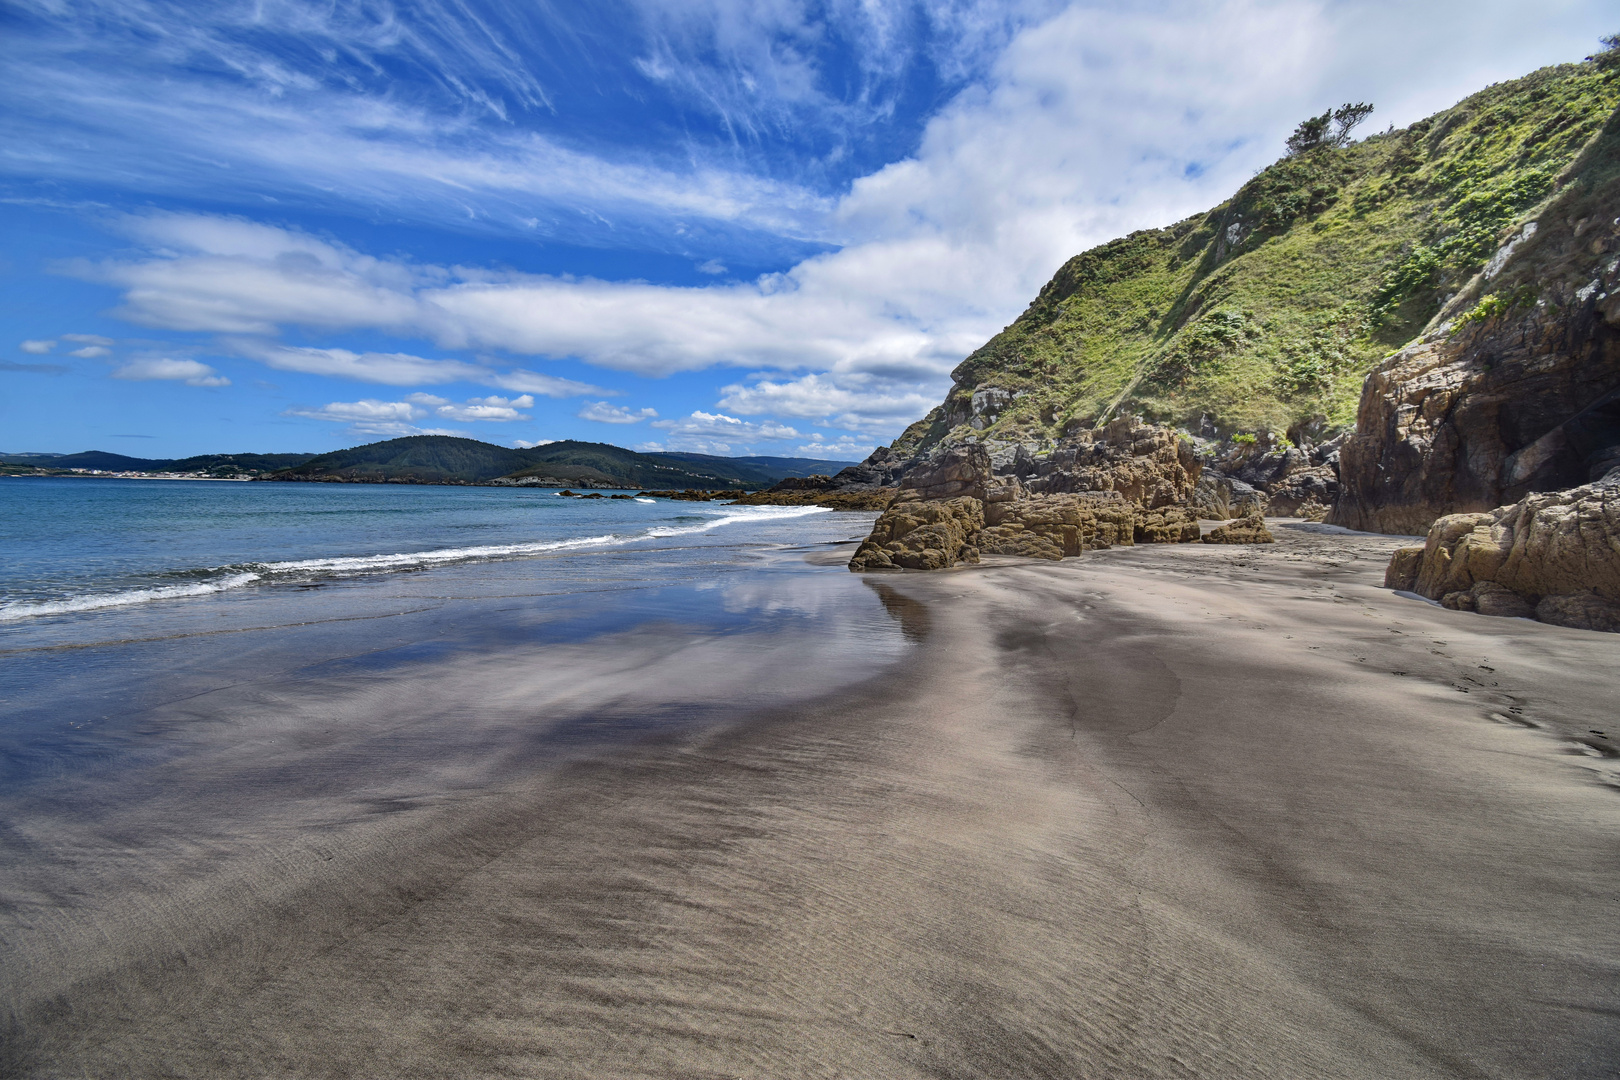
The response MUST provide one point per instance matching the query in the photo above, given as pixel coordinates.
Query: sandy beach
(1169, 811)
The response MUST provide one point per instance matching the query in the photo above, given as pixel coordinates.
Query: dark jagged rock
(1554, 556)
(1517, 389)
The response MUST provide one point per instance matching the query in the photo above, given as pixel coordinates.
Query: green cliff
(1267, 312)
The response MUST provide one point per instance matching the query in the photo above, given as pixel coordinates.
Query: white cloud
(404, 369)
(603, 413)
(88, 339)
(390, 369)
(392, 419)
(190, 372)
(494, 407)
(532, 382)
(855, 400)
(525, 444)
(716, 433)
(368, 411)
(91, 352)
(838, 450)
(712, 266)
(37, 348)
(488, 408)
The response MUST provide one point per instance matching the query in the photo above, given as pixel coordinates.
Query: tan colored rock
(1057, 526)
(1167, 525)
(1553, 555)
(922, 534)
(1147, 465)
(1249, 530)
(1402, 572)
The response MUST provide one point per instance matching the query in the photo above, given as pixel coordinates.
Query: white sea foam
(97, 601)
(235, 577)
(732, 515)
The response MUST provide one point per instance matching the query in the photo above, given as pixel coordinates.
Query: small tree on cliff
(1609, 55)
(1332, 128)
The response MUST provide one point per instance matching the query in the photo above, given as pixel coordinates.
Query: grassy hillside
(1267, 311)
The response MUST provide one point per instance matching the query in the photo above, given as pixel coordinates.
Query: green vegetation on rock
(1266, 313)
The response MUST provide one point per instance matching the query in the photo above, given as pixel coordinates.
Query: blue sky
(768, 227)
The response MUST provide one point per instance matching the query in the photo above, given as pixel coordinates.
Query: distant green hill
(100, 459)
(1268, 311)
(761, 470)
(432, 459)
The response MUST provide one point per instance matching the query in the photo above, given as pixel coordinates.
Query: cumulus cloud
(603, 413)
(526, 444)
(838, 450)
(190, 372)
(712, 266)
(858, 400)
(37, 348)
(91, 352)
(717, 433)
(391, 419)
(492, 408)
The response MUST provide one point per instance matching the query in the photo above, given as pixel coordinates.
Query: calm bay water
(130, 608)
(82, 545)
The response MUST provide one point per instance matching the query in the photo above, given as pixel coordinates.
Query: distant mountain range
(443, 459)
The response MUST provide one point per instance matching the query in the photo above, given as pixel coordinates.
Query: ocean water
(75, 545)
(141, 621)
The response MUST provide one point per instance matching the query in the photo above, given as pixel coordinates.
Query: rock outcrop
(1127, 484)
(1553, 556)
(1516, 388)
(1249, 530)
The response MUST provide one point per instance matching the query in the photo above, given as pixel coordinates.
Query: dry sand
(1170, 811)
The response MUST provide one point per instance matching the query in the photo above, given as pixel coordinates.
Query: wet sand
(1166, 811)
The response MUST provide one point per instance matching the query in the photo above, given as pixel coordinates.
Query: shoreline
(1153, 811)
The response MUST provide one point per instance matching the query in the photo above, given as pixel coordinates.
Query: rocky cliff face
(1553, 556)
(1517, 388)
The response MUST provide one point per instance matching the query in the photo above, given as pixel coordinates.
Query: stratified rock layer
(1554, 556)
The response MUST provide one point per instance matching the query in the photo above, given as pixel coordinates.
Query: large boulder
(1552, 555)
(1516, 387)
(922, 534)
(1057, 526)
